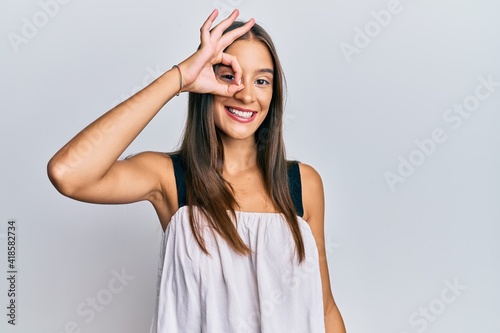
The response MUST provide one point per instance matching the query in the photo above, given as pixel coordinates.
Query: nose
(247, 94)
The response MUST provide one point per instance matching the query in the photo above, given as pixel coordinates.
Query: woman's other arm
(314, 207)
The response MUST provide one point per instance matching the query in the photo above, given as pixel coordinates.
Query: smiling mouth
(241, 114)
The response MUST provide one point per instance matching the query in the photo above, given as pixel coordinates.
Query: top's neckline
(238, 213)
(241, 212)
(246, 212)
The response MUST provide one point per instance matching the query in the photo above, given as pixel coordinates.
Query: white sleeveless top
(267, 291)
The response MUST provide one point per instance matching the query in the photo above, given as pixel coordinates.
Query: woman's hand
(197, 71)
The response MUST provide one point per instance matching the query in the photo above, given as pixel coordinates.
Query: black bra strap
(294, 183)
(180, 179)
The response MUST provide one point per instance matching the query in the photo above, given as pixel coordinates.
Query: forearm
(89, 155)
(333, 321)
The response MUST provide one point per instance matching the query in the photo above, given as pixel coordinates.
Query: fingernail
(239, 82)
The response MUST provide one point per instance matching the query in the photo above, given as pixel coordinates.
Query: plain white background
(366, 92)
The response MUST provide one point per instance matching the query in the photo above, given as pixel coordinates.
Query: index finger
(231, 61)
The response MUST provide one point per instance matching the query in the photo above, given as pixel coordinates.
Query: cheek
(216, 114)
(217, 107)
(265, 99)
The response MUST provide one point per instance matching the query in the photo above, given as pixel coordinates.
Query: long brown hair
(203, 155)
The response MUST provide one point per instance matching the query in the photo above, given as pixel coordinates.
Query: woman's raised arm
(79, 169)
(87, 169)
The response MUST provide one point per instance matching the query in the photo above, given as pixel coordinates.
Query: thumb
(234, 88)
(227, 90)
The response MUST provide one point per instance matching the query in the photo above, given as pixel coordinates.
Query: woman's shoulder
(309, 173)
(157, 164)
(155, 161)
(161, 166)
(312, 189)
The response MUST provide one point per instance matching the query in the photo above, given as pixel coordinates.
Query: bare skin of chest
(249, 191)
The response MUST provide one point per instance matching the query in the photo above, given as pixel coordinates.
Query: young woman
(243, 247)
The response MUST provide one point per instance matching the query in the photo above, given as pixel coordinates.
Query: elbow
(330, 310)
(330, 307)
(58, 174)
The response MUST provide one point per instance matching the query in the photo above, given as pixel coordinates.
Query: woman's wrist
(170, 81)
(180, 78)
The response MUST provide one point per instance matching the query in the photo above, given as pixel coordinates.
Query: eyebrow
(265, 70)
(261, 70)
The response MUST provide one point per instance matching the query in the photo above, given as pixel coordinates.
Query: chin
(237, 135)
(240, 137)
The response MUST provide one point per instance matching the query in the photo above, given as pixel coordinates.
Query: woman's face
(239, 116)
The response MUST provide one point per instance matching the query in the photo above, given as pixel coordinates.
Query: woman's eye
(262, 82)
(227, 77)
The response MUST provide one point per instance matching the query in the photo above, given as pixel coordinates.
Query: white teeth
(242, 114)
